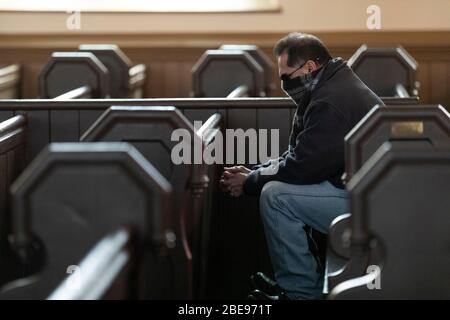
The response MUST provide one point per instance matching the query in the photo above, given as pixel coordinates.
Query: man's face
(295, 71)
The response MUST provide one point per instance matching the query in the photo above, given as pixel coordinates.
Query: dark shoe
(266, 285)
(259, 295)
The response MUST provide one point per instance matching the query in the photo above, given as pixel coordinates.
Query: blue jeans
(286, 209)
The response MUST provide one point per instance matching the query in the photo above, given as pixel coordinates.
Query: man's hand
(233, 179)
(237, 169)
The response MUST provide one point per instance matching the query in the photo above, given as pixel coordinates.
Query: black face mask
(299, 88)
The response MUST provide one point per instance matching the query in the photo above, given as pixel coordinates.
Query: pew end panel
(153, 131)
(85, 70)
(71, 196)
(391, 239)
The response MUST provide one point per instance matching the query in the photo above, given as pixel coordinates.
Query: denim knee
(269, 195)
(269, 199)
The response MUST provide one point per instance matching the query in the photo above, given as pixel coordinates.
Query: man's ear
(312, 66)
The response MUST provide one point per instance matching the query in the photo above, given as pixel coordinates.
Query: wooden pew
(426, 123)
(127, 81)
(388, 71)
(418, 125)
(398, 244)
(106, 272)
(12, 163)
(150, 130)
(263, 60)
(10, 81)
(219, 72)
(74, 74)
(70, 197)
(231, 259)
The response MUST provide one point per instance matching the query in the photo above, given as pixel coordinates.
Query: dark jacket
(316, 153)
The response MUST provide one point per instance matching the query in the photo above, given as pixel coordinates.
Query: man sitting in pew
(303, 188)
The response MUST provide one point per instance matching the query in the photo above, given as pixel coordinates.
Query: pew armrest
(98, 271)
(10, 76)
(137, 76)
(239, 92)
(349, 289)
(12, 124)
(400, 91)
(339, 236)
(83, 92)
(415, 90)
(338, 252)
(207, 132)
(210, 128)
(12, 133)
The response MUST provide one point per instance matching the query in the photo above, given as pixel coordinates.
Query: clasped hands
(233, 179)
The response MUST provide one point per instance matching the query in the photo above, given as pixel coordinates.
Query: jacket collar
(333, 66)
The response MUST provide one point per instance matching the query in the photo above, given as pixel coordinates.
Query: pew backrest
(219, 72)
(383, 68)
(117, 63)
(263, 60)
(416, 123)
(150, 130)
(66, 71)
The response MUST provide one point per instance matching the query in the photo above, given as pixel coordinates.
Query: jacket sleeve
(317, 155)
(270, 162)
